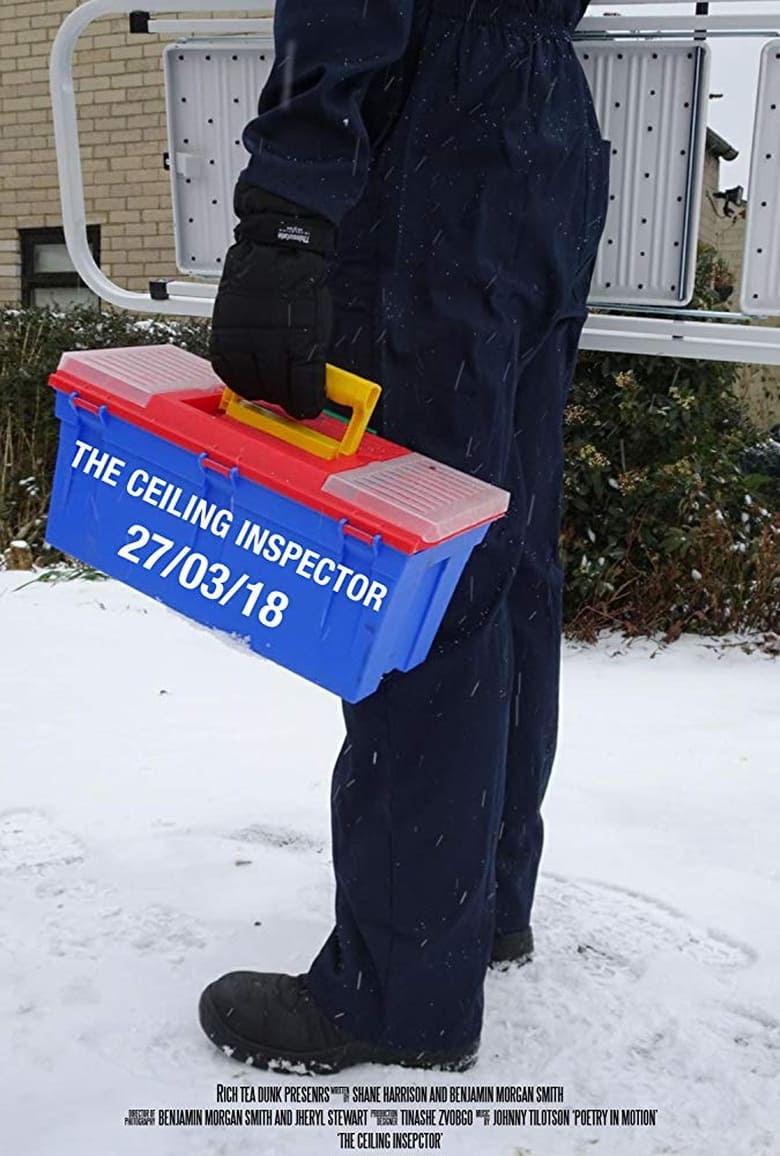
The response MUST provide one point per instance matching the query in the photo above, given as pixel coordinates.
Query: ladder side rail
(68, 150)
(681, 3)
(690, 340)
(187, 28)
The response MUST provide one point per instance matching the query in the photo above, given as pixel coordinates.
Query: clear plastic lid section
(420, 495)
(138, 373)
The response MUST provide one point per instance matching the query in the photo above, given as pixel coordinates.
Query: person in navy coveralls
(426, 191)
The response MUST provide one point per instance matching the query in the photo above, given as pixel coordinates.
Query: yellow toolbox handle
(342, 388)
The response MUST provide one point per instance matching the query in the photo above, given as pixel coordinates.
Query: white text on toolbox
(199, 512)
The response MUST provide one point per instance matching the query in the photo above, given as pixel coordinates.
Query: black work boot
(271, 1021)
(516, 948)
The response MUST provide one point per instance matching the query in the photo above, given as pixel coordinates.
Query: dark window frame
(29, 239)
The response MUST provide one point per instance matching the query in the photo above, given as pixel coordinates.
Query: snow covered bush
(662, 532)
(31, 343)
(662, 529)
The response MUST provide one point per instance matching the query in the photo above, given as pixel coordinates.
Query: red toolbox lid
(410, 500)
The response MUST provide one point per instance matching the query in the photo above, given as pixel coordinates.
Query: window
(48, 276)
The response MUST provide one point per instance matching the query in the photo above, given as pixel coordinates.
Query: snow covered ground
(164, 818)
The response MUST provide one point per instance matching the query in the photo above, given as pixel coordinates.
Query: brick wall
(122, 128)
(759, 385)
(121, 103)
(726, 234)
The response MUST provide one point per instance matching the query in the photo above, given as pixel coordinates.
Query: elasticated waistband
(533, 15)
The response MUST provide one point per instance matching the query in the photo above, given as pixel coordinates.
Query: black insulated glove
(273, 317)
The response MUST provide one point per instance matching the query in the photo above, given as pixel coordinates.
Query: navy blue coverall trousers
(456, 144)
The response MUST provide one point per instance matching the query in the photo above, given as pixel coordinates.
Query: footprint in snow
(30, 842)
(281, 837)
(612, 929)
(89, 925)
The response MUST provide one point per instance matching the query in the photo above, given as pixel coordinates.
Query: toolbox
(328, 549)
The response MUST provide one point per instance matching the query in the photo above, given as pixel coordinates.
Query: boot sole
(510, 963)
(514, 949)
(321, 1063)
